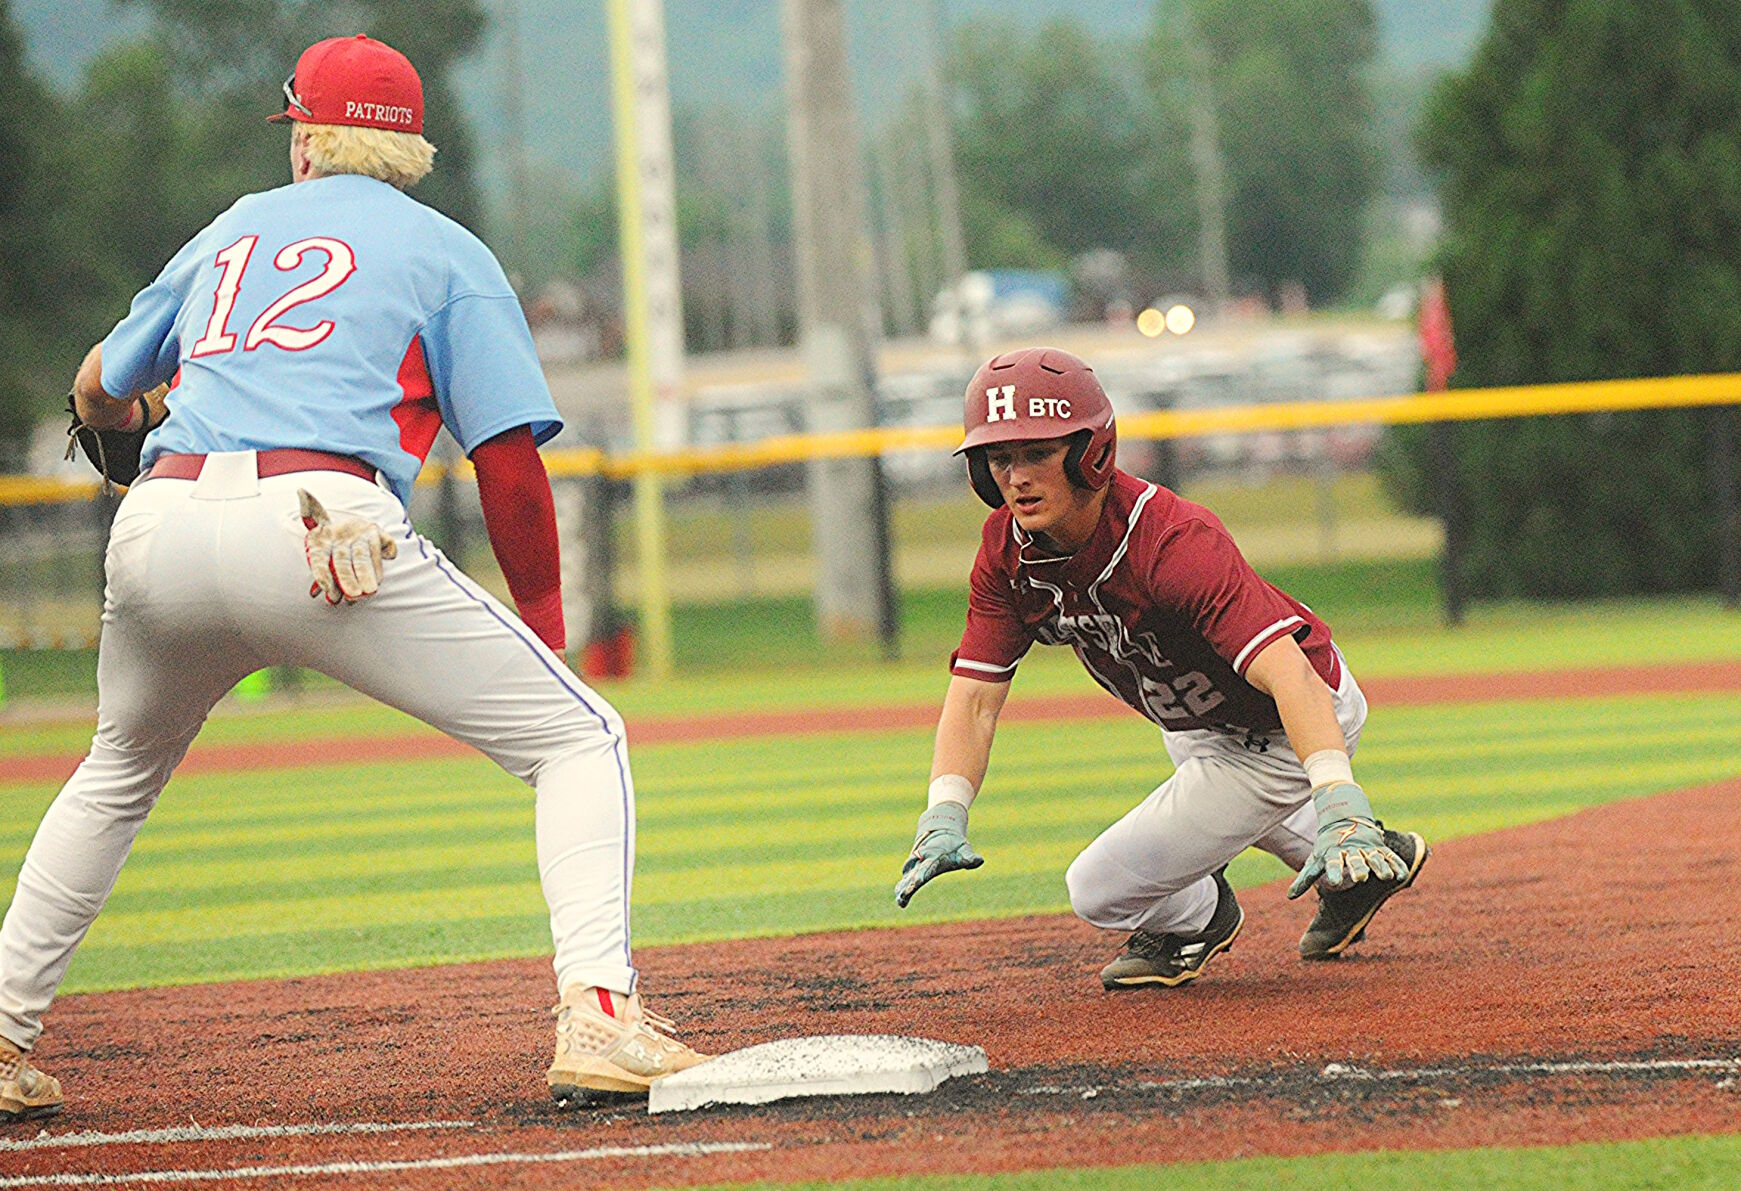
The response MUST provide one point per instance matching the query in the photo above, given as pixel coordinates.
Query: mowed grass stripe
(1027, 832)
(855, 886)
(304, 879)
(413, 863)
(855, 827)
(1127, 768)
(455, 822)
(490, 833)
(1510, 638)
(474, 801)
(342, 905)
(231, 724)
(486, 814)
(727, 769)
(195, 801)
(112, 962)
(1519, 723)
(843, 834)
(341, 910)
(719, 775)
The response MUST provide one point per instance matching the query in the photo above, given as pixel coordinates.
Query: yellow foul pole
(632, 83)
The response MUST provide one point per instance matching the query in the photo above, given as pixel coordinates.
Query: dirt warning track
(1562, 982)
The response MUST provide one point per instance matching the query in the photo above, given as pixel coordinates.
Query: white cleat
(25, 1092)
(599, 1056)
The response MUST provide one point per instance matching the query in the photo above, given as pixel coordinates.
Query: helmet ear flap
(1073, 458)
(1083, 471)
(979, 472)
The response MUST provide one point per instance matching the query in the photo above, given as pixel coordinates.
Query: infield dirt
(1481, 1011)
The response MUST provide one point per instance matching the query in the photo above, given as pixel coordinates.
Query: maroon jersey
(1160, 606)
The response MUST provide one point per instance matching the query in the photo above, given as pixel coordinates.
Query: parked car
(747, 413)
(921, 399)
(992, 304)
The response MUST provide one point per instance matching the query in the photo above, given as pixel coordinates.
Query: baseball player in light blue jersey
(316, 338)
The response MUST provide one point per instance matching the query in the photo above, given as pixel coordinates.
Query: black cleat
(1170, 960)
(1343, 913)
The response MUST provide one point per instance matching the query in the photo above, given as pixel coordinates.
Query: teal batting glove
(1350, 846)
(939, 847)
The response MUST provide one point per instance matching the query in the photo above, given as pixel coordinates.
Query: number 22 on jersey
(341, 262)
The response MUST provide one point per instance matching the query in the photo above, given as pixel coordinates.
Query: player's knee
(120, 780)
(1090, 897)
(576, 731)
(599, 728)
(109, 797)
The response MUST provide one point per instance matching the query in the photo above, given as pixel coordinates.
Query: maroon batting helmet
(1038, 393)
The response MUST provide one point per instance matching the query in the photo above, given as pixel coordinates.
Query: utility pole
(1206, 162)
(514, 140)
(764, 271)
(897, 275)
(913, 195)
(836, 310)
(940, 141)
(724, 163)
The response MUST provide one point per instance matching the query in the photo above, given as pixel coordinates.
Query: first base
(820, 1065)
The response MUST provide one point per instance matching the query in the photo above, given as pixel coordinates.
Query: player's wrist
(951, 788)
(1338, 801)
(103, 412)
(945, 816)
(543, 615)
(1326, 767)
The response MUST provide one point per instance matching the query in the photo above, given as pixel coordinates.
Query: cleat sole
(1120, 983)
(13, 1116)
(574, 1096)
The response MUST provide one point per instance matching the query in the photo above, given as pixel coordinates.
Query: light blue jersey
(337, 314)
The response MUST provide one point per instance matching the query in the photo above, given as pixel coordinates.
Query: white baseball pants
(207, 583)
(1151, 869)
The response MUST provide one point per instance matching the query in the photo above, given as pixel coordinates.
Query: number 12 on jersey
(341, 262)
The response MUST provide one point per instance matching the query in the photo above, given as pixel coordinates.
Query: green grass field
(1667, 1164)
(403, 864)
(414, 864)
(340, 868)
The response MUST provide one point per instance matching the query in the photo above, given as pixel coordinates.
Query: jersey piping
(986, 667)
(1264, 638)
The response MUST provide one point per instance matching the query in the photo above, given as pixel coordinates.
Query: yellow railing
(1458, 405)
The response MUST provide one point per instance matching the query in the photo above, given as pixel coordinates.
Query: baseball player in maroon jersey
(1257, 707)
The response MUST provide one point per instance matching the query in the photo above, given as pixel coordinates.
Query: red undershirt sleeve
(520, 517)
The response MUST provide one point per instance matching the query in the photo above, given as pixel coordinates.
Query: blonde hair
(400, 158)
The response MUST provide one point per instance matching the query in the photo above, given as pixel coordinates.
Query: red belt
(277, 462)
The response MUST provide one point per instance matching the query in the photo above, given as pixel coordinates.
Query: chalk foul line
(675, 1150)
(197, 1133)
(1347, 1072)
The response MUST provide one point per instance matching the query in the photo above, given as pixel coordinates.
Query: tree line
(100, 187)
(1065, 144)
(1590, 167)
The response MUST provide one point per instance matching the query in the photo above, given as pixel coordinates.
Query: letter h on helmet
(1032, 394)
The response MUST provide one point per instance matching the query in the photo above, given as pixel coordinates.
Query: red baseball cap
(357, 81)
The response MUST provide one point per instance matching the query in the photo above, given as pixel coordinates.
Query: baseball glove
(115, 453)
